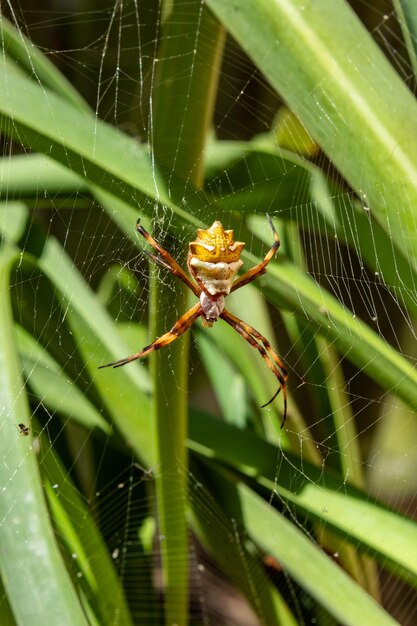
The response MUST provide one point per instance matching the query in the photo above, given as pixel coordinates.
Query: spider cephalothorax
(213, 262)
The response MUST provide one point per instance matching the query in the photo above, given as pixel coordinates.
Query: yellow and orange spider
(213, 262)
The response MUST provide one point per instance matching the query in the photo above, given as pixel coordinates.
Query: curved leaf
(357, 113)
(28, 550)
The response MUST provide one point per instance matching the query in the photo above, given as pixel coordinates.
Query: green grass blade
(57, 392)
(227, 383)
(76, 139)
(312, 490)
(123, 391)
(407, 17)
(84, 545)
(264, 178)
(341, 107)
(306, 563)
(13, 217)
(350, 336)
(24, 175)
(26, 55)
(30, 558)
(183, 110)
(237, 560)
(343, 422)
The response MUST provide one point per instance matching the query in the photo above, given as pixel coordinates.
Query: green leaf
(83, 543)
(76, 139)
(226, 382)
(290, 133)
(178, 144)
(98, 342)
(13, 216)
(220, 536)
(312, 491)
(26, 55)
(53, 387)
(341, 107)
(28, 551)
(28, 175)
(407, 17)
(305, 562)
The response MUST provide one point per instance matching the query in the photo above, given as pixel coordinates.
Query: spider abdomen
(215, 278)
(212, 307)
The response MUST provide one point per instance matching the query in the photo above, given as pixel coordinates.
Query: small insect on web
(23, 429)
(213, 262)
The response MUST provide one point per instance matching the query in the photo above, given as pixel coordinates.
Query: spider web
(89, 469)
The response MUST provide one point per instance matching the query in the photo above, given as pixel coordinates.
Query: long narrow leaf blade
(389, 535)
(38, 586)
(307, 564)
(322, 61)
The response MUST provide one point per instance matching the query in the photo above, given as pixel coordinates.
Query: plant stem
(191, 49)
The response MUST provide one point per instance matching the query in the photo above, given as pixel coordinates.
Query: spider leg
(179, 328)
(167, 260)
(158, 259)
(260, 343)
(259, 269)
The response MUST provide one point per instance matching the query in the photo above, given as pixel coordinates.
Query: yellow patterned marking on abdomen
(215, 245)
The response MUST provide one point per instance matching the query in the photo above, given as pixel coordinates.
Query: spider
(213, 262)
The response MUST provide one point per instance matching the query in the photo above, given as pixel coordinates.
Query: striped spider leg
(261, 343)
(253, 336)
(213, 262)
(166, 260)
(260, 268)
(179, 328)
